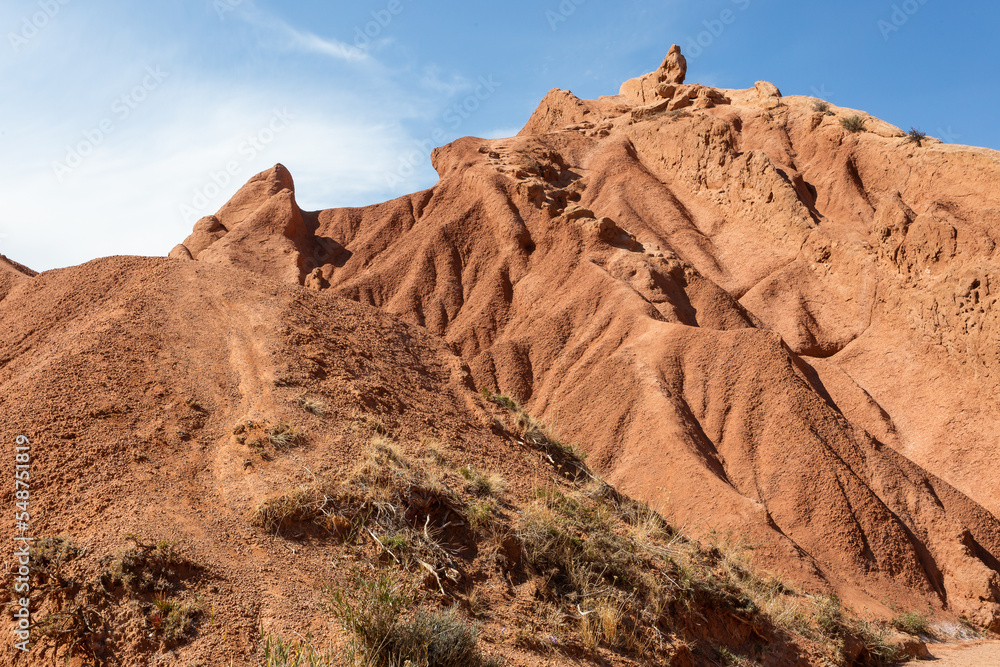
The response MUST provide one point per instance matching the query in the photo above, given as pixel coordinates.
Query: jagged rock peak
(674, 66)
(660, 83)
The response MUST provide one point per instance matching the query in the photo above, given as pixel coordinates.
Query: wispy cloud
(145, 149)
(129, 196)
(433, 79)
(310, 43)
(302, 40)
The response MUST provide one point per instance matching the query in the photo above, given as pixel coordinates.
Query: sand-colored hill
(12, 273)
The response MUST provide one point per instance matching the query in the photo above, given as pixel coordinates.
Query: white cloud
(434, 80)
(140, 190)
(137, 181)
(302, 40)
(307, 41)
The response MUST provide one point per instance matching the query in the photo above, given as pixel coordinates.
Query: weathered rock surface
(749, 317)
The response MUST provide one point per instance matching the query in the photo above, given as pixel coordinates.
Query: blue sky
(122, 123)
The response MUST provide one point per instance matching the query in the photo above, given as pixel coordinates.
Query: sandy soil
(980, 654)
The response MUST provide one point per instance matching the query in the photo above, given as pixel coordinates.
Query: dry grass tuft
(853, 124)
(306, 503)
(916, 136)
(482, 484)
(382, 634)
(312, 405)
(283, 436)
(436, 450)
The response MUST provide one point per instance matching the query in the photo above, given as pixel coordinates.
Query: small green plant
(820, 106)
(479, 514)
(912, 623)
(916, 136)
(375, 616)
(296, 653)
(500, 399)
(853, 124)
(171, 618)
(163, 603)
(397, 542)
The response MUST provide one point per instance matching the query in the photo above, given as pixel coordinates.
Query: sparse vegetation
(853, 124)
(482, 484)
(296, 653)
(629, 578)
(569, 459)
(386, 498)
(311, 404)
(611, 573)
(79, 608)
(384, 635)
(916, 136)
(821, 106)
(913, 623)
(579, 543)
(283, 436)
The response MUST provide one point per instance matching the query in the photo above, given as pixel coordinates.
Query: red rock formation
(747, 315)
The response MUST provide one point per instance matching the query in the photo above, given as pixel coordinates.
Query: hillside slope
(750, 316)
(213, 452)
